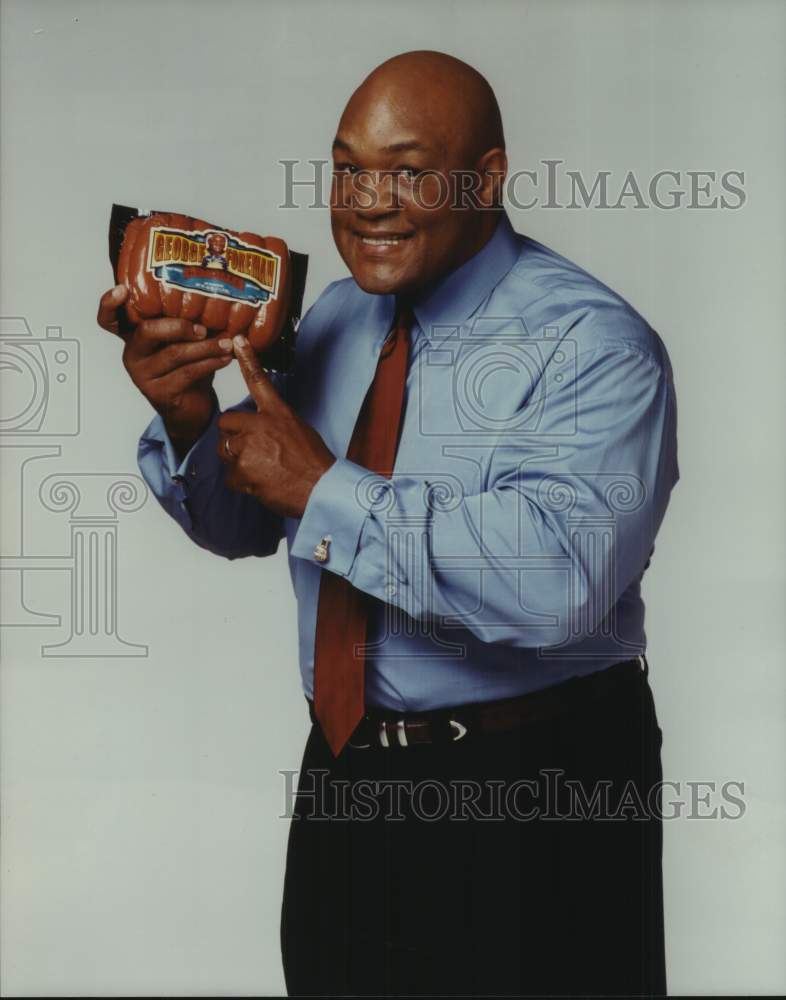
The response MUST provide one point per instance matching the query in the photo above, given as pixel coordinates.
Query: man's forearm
(192, 491)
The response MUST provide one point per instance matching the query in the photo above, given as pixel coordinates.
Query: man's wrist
(184, 439)
(309, 488)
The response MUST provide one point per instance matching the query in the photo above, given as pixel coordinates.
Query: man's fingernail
(240, 340)
(117, 290)
(200, 331)
(225, 344)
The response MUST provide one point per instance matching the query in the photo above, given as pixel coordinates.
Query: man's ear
(492, 169)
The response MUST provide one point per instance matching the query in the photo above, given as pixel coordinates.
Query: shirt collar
(457, 296)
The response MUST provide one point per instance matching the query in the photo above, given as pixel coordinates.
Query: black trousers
(525, 862)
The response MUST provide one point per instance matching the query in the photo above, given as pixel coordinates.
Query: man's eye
(409, 173)
(344, 168)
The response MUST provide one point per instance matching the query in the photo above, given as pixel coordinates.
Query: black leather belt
(387, 729)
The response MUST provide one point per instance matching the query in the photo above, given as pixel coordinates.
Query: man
(472, 461)
(216, 251)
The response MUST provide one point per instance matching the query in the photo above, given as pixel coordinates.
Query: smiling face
(407, 133)
(216, 244)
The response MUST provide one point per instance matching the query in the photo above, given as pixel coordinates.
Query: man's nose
(377, 194)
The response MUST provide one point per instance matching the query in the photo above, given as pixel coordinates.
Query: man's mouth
(383, 239)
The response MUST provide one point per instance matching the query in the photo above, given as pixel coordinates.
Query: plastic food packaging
(230, 282)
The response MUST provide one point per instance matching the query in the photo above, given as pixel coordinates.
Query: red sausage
(171, 297)
(242, 315)
(145, 295)
(216, 312)
(123, 277)
(267, 325)
(194, 303)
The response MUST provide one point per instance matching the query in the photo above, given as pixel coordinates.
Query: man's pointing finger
(259, 385)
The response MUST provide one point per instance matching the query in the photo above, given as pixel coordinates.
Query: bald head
(442, 95)
(418, 167)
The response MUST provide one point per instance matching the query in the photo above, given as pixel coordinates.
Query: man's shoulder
(338, 300)
(332, 298)
(555, 292)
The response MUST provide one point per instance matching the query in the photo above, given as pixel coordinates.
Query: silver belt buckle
(461, 731)
(382, 734)
(401, 733)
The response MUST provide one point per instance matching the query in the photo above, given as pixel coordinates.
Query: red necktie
(342, 611)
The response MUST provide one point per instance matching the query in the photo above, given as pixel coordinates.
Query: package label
(214, 263)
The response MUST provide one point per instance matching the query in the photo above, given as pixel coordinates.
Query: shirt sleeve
(194, 493)
(566, 523)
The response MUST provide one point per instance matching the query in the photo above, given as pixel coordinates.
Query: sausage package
(230, 282)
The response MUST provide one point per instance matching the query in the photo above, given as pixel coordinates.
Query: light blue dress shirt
(537, 454)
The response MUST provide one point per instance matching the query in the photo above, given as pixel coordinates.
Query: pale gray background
(141, 850)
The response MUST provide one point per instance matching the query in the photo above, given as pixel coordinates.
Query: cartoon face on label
(215, 257)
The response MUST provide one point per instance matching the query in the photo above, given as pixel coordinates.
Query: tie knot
(399, 332)
(404, 317)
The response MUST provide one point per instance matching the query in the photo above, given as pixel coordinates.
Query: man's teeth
(379, 241)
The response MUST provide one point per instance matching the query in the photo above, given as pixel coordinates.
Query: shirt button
(177, 479)
(390, 589)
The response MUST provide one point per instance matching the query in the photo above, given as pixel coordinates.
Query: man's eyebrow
(406, 146)
(411, 146)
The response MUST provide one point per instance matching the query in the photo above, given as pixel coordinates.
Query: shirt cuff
(335, 511)
(199, 462)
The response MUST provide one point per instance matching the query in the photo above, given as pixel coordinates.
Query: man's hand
(272, 453)
(172, 363)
